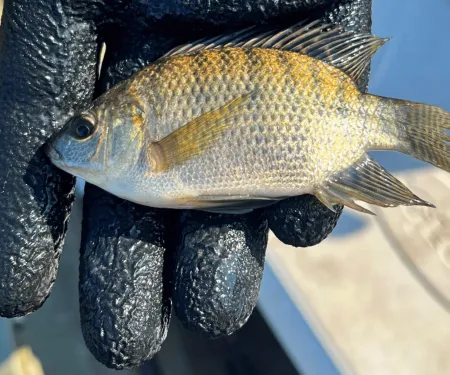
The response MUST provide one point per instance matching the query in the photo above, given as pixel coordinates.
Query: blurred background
(371, 299)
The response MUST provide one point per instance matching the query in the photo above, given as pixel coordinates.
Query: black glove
(135, 261)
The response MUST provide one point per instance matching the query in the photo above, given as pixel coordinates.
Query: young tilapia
(241, 121)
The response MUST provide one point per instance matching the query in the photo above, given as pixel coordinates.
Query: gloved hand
(135, 261)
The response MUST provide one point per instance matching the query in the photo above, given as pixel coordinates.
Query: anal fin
(339, 197)
(369, 182)
(330, 197)
(325, 198)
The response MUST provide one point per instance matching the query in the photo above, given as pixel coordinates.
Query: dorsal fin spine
(346, 50)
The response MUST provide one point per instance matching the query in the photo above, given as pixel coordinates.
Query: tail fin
(421, 132)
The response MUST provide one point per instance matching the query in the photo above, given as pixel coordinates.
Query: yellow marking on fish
(351, 95)
(138, 115)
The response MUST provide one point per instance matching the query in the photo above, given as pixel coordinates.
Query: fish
(242, 120)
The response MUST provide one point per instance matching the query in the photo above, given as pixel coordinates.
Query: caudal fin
(421, 132)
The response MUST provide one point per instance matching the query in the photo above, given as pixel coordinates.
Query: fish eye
(82, 128)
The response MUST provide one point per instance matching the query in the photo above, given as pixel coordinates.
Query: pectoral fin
(196, 136)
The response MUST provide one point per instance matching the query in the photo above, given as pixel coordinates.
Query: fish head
(102, 142)
(79, 147)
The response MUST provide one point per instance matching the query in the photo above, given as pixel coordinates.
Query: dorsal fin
(347, 50)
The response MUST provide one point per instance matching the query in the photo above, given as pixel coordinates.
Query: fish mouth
(52, 152)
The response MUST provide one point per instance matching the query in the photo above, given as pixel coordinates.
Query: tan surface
(21, 362)
(424, 234)
(373, 312)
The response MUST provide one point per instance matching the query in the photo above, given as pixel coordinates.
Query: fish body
(304, 121)
(236, 127)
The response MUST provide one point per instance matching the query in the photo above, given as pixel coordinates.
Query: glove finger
(219, 267)
(221, 12)
(124, 307)
(45, 76)
(304, 221)
(124, 289)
